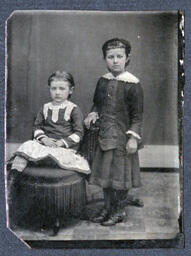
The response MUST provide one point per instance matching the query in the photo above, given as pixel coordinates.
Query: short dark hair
(116, 43)
(61, 76)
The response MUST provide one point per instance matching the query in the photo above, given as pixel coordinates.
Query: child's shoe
(114, 219)
(103, 216)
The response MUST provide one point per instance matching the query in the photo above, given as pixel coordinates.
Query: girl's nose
(115, 60)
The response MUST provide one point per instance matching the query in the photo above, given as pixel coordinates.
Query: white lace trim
(67, 105)
(125, 77)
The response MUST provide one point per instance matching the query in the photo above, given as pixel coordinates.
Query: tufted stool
(46, 195)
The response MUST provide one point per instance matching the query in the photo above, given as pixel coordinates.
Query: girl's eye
(110, 57)
(119, 56)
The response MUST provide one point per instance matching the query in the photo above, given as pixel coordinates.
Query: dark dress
(119, 103)
(60, 122)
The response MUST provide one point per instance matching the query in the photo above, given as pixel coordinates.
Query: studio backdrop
(41, 42)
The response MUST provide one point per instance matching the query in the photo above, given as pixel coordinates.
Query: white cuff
(37, 132)
(134, 134)
(65, 143)
(40, 137)
(93, 114)
(75, 138)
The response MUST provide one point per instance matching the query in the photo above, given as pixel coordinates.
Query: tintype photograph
(94, 128)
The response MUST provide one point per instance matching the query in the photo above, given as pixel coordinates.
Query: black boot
(53, 231)
(103, 215)
(118, 213)
(105, 211)
(51, 228)
(56, 227)
(131, 200)
(115, 218)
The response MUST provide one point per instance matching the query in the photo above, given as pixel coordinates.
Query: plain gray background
(40, 43)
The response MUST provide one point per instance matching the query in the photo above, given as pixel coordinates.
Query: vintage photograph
(94, 127)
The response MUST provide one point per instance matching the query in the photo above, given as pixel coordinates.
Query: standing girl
(118, 103)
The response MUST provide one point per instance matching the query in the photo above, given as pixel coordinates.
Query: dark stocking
(107, 198)
(121, 198)
(121, 195)
(117, 215)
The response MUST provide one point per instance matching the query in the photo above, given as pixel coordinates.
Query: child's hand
(49, 142)
(92, 117)
(131, 145)
(60, 143)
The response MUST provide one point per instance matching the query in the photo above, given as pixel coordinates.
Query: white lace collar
(68, 105)
(125, 77)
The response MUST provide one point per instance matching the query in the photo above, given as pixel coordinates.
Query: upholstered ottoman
(47, 195)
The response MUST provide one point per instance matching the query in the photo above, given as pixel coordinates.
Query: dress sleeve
(38, 131)
(96, 103)
(135, 103)
(77, 127)
(96, 98)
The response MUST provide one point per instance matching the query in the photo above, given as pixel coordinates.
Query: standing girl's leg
(105, 211)
(118, 205)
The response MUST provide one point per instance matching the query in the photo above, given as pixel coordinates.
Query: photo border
(9, 243)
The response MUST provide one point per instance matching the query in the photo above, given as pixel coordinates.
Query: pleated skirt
(115, 169)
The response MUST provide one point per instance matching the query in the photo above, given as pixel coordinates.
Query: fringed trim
(60, 200)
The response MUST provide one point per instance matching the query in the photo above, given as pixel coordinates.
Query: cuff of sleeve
(75, 138)
(40, 137)
(134, 134)
(65, 143)
(38, 132)
(93, 114)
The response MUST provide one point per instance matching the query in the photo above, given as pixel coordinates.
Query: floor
(158, 219)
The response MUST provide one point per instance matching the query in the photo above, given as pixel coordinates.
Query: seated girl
(57, 131)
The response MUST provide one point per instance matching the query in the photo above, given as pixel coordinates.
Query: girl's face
(60, 91)
(116, 60)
